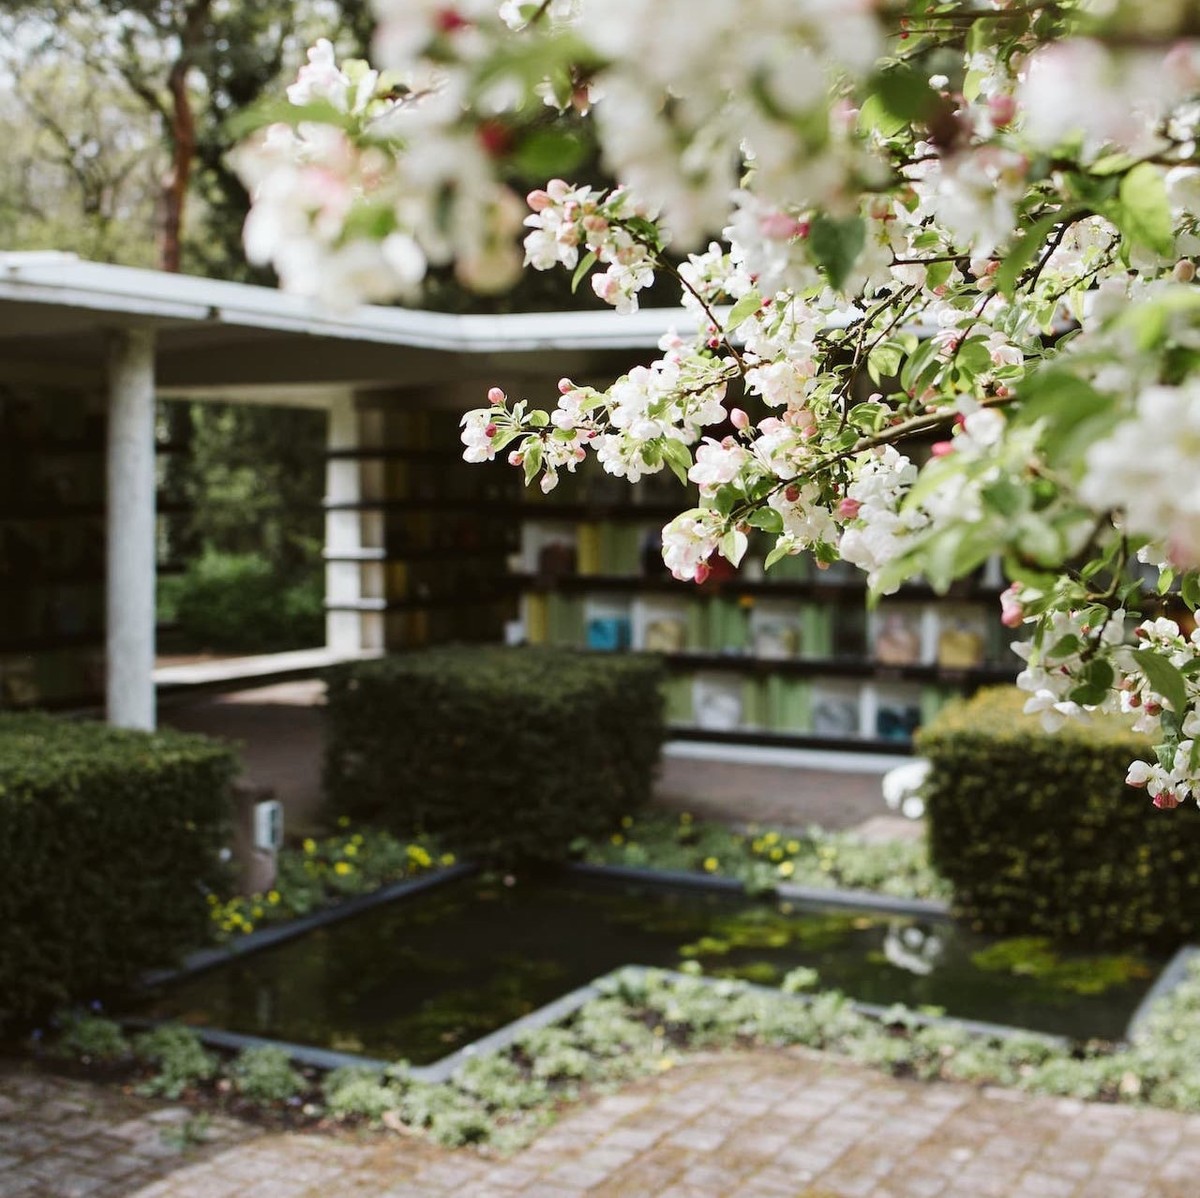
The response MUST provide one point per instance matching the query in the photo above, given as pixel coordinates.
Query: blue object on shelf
(609, 633)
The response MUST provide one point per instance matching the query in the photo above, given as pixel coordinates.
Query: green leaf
(1005, 496)
(1163, 677)
(874, 114)
(766, 518)
(974, 356)
(904, 93)
(1189, 589)
(1143, 209)
(743, 310)
(781, 550)
(678, 457)
(835, 246)
(542, 153)
(1072, 411)
(585, 264)
(532, 460)
(884, 360)
(1067, 646)
(1026, 250)
(733, 546)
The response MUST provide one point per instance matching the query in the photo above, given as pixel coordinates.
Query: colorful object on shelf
(608, 633)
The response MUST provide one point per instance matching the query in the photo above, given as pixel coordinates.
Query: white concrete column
(130, 601)
(346, 555)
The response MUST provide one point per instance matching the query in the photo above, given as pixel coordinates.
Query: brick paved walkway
(789, 1124)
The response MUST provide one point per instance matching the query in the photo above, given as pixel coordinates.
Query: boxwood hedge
(505, 753)
(1038, 832)
(109, 839)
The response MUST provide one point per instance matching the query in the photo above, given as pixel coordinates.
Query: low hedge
(506, 754)
(109, 840)
(1038, 832)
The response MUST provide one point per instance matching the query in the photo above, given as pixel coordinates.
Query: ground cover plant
(645, 1022)
(319, 871)
(762, 857)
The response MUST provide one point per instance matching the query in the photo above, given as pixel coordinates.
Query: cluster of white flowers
(878, 528)
(689, 541)
(1152, 478)
(564, 218)
(895, 256)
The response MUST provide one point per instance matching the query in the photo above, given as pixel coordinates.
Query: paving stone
(751, 1125)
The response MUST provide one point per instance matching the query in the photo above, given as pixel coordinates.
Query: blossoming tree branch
(941, 256)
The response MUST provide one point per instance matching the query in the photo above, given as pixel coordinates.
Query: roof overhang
(234, 341)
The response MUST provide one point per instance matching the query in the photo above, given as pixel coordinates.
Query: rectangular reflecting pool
(418, 978)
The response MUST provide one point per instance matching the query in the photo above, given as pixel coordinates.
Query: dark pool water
(418, 978)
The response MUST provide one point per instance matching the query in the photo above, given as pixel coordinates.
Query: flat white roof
(127, 294)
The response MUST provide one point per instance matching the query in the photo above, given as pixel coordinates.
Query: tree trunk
(183, 136)
(183, 150)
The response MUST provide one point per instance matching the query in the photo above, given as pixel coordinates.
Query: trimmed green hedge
(108, 840)
(506, 754)
(1038, 832)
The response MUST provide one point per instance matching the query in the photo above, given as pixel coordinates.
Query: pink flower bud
(490, 431)
(703, 570)
(792, 493)
(449, 20)
(1002, 109)
(538, 200)
(496, 396)
(940, 449)
(738, 418)
(848, 508)
(516, 458)
(1185, 271)
(1166, 801)
(565, 386)
(1012, 614)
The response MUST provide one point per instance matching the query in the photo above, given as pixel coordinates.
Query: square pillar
(130, 592)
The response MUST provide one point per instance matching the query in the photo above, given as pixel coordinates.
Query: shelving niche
(452, 551)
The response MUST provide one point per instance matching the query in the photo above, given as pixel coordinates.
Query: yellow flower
(448, 858)
(777, 854)
(310, 845)
(627, 821)
(272, 897)
(793, 846)
(711, 864)
(771, 838)
(351, 850)
(342, 868)
(786, 869)
(343, 821)
(756, 846)
(685, 817)
(617, 838)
